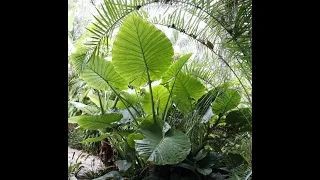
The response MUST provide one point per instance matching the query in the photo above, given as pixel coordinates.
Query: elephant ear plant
(141, 56)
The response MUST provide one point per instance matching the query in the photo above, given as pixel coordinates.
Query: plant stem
(115, 102)
(132, 106)
(123, 103)
(165, 109)
(100, 102)
(152, 102)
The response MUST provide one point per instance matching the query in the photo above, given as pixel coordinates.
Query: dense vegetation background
(161, 89)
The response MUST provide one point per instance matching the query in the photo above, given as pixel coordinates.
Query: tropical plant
(141, 60)
(220, 29)
(181, 106)
(101, 74)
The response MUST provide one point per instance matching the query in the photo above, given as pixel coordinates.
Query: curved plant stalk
(100, 102)
(166, 108)
(131, 105)
(118, 95)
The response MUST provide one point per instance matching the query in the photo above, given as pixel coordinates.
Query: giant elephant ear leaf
(162, 146)
(187, 89)
(100, 74)
(141, 52)
(226, 101)
(99, 122)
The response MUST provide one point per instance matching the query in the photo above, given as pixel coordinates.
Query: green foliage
(88, 109)
(141, 53)
(186, 90)
(74, 119)
(79, 58)
(226, 101)
(122, 165)
(162, 146)
(106, 104)
(131, 100)
(90, 147)
(160, 98)
(110, 175)
(175, 68)
(93, 174)
(74, 138)
(169, 116)
(100, 74)
(240, 119)
(74, 167)
(99, 122)
(96, 139)
(132, 137)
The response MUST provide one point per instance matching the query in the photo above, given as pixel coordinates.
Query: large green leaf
(226, 101)
(96, 139)
(175, 68)
(159, 148)
(100, 74)
(160, 97)
(99, 122)
(132, 137)
(187, 89)
(141, 50)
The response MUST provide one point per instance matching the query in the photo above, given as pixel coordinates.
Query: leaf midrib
(147, 70)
